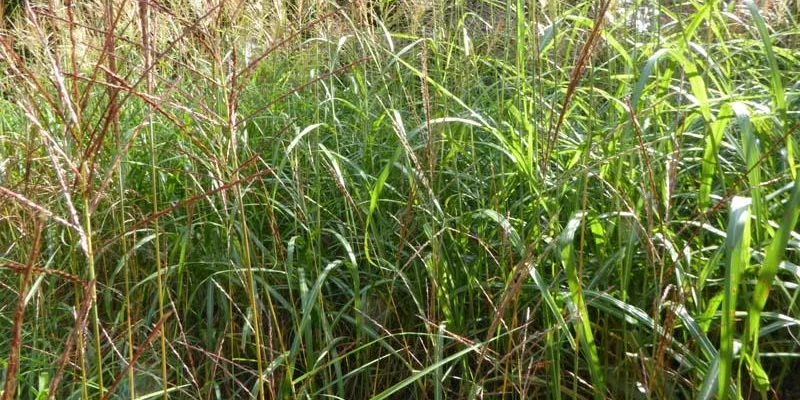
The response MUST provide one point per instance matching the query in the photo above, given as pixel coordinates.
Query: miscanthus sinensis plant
(399, 199)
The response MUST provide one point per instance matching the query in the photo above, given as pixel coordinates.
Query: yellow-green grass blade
(737, 248)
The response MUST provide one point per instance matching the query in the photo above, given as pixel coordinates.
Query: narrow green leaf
(737, 248)
(425, 371)
(709, 166)
(583, 325)
(752, 155)
(555, 311)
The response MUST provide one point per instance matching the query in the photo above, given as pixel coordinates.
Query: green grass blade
(696, 332)
(708, 167)
(647, 70)
(423, 372)
(752, 155)
(776, 82)
(583, 325)
(737, 248)
(555, 311)
(708, 390)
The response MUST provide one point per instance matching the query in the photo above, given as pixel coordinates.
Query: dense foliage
(399, 199)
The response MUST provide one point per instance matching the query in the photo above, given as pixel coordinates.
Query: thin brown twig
(10, 387)
(24, 201)
(649, 199)
(22, 268)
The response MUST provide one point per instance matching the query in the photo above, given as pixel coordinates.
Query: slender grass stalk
(147, 34)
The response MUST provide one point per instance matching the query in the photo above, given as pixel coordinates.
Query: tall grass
(399, 199)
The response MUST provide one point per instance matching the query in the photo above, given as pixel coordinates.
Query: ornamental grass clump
(385, 199)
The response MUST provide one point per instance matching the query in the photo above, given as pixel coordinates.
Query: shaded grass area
(392, 199)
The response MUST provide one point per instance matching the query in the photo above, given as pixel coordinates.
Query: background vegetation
(399, 199)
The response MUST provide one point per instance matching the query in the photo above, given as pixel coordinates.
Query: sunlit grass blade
(737, 250)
